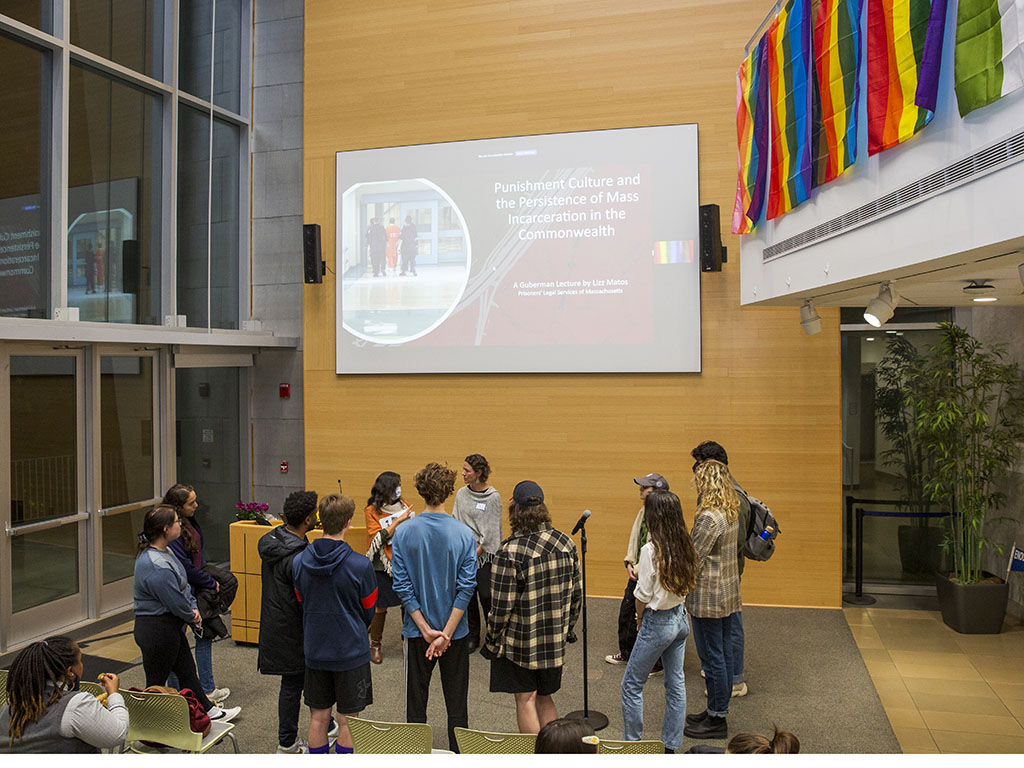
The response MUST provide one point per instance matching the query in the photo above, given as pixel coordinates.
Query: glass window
(193, 214)
(224, 269)
(227, 77)
(126, 430)
(35, 13)
(120, 543)
(24, 183)
(44, 566)
(195, 18)
(129, 32)
(44, 439)
(114, 200)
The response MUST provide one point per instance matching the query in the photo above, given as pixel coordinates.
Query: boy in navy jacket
(338, 591)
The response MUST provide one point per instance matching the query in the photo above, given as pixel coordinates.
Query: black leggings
(165, 649)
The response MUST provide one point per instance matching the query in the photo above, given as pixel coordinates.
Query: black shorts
(351, 690)
(508, 677)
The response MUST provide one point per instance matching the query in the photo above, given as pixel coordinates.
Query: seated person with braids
(45, 711)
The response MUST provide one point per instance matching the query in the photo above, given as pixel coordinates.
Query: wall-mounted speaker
(711, 251)
(312, 265)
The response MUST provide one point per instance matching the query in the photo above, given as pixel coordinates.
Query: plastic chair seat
(611, 747)
(163, 718)
(374, 737)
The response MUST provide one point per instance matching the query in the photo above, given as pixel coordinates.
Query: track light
(809, 318)
(880, 309)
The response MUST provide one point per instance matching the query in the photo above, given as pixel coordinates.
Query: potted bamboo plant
(896, 409)
(970, 404)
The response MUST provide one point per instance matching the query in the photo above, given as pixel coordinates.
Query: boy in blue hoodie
(338, 591)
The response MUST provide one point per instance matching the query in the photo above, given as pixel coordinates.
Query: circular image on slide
(403, 259)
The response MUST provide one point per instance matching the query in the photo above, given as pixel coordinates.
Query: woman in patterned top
(715, 601)
(666, 571)
(385, 511)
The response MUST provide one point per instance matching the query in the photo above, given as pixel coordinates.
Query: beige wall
(409, 72)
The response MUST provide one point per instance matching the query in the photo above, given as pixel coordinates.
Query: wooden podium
(245, 564)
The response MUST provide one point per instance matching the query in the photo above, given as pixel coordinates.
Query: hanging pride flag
(989, 59)
(837, 68)
(752, 138)
(790, 87)
(896, 35)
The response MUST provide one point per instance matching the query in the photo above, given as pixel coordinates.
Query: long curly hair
(177, 497)
(383, 491)
(38, 665)
(674, 553)
(435, 483)
(715, 489)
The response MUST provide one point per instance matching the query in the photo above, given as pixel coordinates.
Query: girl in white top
(666, 571)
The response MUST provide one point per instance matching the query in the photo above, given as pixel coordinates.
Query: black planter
(920, 548)
(972, 609)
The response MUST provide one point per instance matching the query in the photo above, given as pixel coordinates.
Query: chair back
(372, 737)
(3, 687)
(473, 742)
(610, 747)
(160, 717)
(94, 688)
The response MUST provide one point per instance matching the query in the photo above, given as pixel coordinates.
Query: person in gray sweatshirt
(478, 505)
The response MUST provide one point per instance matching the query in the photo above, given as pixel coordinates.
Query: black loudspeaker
(711, 251)
(312, 266)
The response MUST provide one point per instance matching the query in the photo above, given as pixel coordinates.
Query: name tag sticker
(481, 505)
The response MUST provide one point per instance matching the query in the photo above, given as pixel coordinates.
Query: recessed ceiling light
(980, 290)
(986, 298)
(870, 338)
(891, 332)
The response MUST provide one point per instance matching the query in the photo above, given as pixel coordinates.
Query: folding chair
(610, 747)
(94, 688)
(473, 742)
(163, 718)
(372, 737)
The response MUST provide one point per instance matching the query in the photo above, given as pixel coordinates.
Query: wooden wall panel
(409, 72)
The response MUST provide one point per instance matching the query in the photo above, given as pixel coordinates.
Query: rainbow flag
(896, 40)
(837, 68)
(673, 252)
(790, 86)
(752, 138)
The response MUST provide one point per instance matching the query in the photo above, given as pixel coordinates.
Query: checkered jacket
(536, 595)
(717, 593)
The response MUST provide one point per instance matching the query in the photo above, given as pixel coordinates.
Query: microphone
(581, 522)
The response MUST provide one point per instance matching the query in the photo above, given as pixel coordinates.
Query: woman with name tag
(385, 511)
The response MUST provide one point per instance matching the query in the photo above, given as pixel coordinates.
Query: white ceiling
(937, 283)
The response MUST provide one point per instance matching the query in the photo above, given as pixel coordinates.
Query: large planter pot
(972, 609)
(920, 549)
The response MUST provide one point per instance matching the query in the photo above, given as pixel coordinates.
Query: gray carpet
(802, 667)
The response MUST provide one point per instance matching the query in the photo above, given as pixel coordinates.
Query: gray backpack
(762, 528)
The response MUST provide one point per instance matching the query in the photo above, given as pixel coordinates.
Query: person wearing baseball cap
(627, 608)
(536, 597)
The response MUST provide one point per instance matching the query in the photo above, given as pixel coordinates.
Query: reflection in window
(194, 23)
(44, 439)
(224, 266)
(193, 189)
(24, 183)
(114, 200)
(35, 13)
(126, 430)
(120, 543)
(129, 32)
(44, 566)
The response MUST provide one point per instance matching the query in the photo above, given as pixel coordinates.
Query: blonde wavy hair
(715, 489)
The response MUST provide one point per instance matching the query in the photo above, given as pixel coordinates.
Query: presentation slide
(571, 252)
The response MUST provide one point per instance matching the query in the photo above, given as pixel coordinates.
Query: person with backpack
(709, 450)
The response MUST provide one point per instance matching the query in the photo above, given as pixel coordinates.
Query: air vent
(992, 158)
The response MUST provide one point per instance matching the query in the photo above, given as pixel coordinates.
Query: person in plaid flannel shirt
(536, 596)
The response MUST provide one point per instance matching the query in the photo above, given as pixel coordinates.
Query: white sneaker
(300, 747)
(217, 695)
(740, 689)
(223, 715)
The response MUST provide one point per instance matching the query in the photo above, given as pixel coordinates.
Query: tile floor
(943, 691)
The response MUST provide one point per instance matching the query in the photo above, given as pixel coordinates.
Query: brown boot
(376, 634)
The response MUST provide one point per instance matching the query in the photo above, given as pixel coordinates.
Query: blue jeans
(737, 648)
(662, 634)
(204, 665)
(713, 638)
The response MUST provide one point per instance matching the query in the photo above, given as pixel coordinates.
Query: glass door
(44, 567)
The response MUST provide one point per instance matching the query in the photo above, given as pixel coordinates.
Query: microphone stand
(594, 719)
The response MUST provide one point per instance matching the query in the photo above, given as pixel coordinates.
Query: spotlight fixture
(880, 309)
(809, 318)
(979, 290)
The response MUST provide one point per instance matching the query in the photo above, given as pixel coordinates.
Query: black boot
(710, 728)
(700, 717)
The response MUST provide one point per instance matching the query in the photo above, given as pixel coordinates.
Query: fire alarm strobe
(284, 390)
(284, 467)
